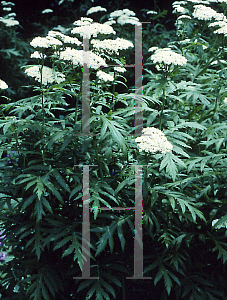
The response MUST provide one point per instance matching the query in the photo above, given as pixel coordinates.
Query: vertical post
(138, 80)
(138, 239)
(86, 227)
(86, 89)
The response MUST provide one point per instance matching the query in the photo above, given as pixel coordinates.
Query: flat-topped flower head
(152, 12)
(104, 76)
(38, 55)
(206, 13)
(153, 140)
(120, 69)
(111, 46)
(95, 9)
(118, 13)
(64, 38)
(47, 11)
(87, 29)
(77, 58)
(125, 16)
(49, 76)
(3, 85)
(166, 56)
(83, 21)
(9, 22)
(180, 9)
(45, 42)
(222, 27)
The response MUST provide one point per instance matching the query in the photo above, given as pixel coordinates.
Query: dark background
(29, 11)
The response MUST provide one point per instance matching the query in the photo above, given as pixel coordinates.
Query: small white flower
(199, 1)
(9, 22)
(95, 9)
(153, 140)
(125, 19)
(118, 13)
(222, 25)
(184, 17)
(3, 85)
(225, 101)
(47, 11)
(120, 69)
(38, 55)
(152, 12)
(224, 224)
(7, 8)
(83, 21)
(152, 49)
(179, 3)
(185, 41)
(104, 76)
(5, 3)
(180, 9)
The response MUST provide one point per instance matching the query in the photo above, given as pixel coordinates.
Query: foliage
(42, 180)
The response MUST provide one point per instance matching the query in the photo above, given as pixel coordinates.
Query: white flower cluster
(112, 46)
(45, 42)
(118, 13)
(203, 12)
(167, 57)
(95, 9)
(222, 25)
(104, 76)
(120, 69)
(183, 17)
(179, 3)
(200, 1)
(5, 3)
(77, 58)
(124, 16)
(47, 11)
(225, 101)
(64, 38)
(224, 224)
(152, 12)
(83, 21)
(153, 140)
(86, 29)
(38, 55)
(48, 74)
(179, 9)
(3, 85)
(9, 20)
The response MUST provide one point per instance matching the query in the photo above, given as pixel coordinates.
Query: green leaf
(60, 180)
(168, 163)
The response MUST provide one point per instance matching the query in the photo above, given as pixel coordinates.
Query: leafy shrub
(183, 162)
